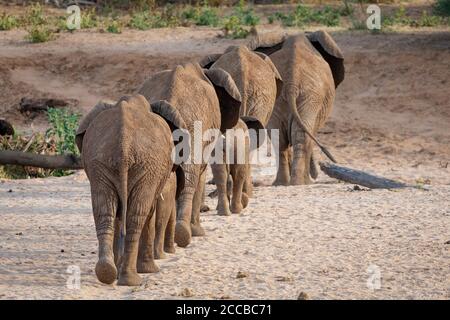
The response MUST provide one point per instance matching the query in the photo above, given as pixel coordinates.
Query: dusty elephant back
(306, 75)
(255, 80)
(188, 90)
(128, 135)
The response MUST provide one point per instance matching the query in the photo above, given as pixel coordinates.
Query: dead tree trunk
(359, 177)
(39, 160)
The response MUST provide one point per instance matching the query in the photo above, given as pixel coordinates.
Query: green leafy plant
(40, 33)
(442, 7)
(201, 15)
(427, 20)
(113, 26)
(233, 28)
(35, 15)
(140, 20)
(246, 14)
(63, 125)
(89, 19)
(8, 22)
(304, 15)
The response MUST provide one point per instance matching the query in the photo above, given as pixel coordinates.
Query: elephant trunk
(291, 97)
(183, 232)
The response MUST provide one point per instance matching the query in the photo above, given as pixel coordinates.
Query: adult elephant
(126, 152)
(206, 97)
(258, 82)
(312, 66)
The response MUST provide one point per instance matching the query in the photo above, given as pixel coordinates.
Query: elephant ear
(268, 42)
(209, 60)
(180, 179)
(255, 124)
(87, 119)
(229, 97)
(278, 78)
(330, 51)
(169, 113)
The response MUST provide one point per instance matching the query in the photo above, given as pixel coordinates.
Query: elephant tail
(123, 196)
(291, 98)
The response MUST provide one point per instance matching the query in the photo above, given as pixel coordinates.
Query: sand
(391, 117)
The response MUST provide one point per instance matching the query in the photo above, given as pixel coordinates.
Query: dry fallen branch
(359, 177)
(39, 160)
(39, 105)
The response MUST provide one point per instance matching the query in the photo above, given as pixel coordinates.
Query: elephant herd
(143, 201)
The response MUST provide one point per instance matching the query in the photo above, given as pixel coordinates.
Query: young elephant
(258, 82)
(166, 215)
(239, 153)
(126, 153)
(208, 98)
(312, 66)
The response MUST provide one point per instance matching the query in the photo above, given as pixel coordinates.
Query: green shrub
(201, 16)
(63, 125)
(140, 20)
(246, 15)
(8, 22)
(35, 15)
(326, 16)
(113, 26)
(233, 28)
(427, 20)
(39, 33)
(442, 7)
(305, 15)
(89, 19)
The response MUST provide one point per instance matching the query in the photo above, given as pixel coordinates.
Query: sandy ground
(391, 117)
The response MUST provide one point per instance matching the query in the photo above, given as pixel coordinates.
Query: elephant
(206, 97)
(239, 169)
(312, 67)
(166, 215)
(126, 152)
(258, 81)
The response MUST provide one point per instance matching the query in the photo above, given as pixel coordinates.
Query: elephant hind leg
(147, 247)
(220, 173)
(196, 228)
(169, 239)
(140, 213)
(104, 204)
(282, 153)
(302, 149)
(238, 173)
(161, 220)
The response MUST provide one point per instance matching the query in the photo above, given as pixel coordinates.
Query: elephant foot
(204, 208)
(159, 254)
(280, 183)
(244, 200)
(182, 234)
(106, 271)
(197, 230)
(236, 208)
(223, 211)
(169, 249)
(147, 267)
(129, 279)
(300, 181)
